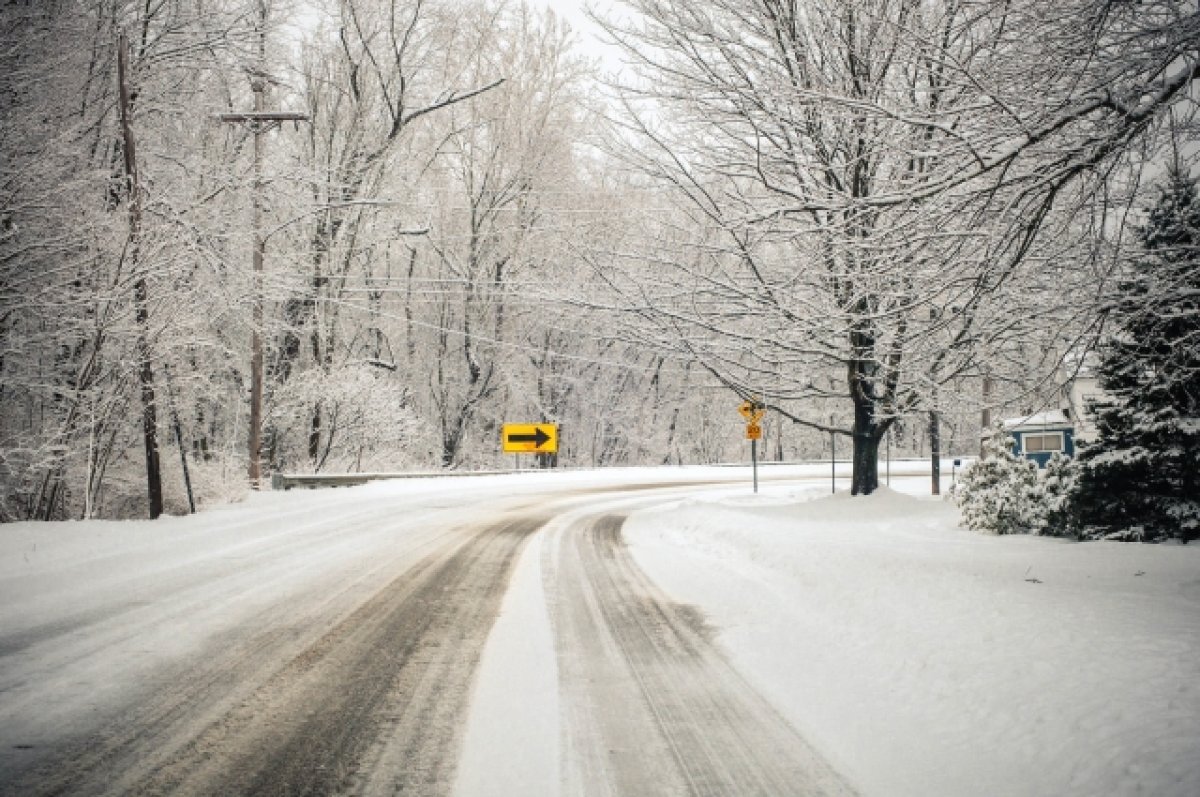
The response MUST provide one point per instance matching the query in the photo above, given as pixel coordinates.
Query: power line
(517, 346)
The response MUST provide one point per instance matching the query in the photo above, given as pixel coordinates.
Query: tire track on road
(57, 728)
(652, 706)
(373, 704)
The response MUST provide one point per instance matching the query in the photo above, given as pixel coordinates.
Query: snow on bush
(1055, 492)
(364, 419)
(1000, 493)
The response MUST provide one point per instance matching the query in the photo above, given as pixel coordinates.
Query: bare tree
(499, 166)
(864, 182)
(82, 290)
(370, 88)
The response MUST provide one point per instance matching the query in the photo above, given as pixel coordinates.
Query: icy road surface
(643, 632)
(328, 642)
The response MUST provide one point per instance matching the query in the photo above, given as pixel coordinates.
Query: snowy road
(321, 643)
(652, 705)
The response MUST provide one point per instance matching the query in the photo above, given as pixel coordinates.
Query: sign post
(832, 457)
(754, 461)
(753, 412)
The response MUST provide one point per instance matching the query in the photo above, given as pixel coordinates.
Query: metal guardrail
(286, 481)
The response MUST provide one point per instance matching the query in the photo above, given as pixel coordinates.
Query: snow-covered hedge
(1003, 493)
(998, 494)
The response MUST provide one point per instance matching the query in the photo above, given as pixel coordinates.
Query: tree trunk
(985, 415)
(865, 458)
(866, 464)
(154, 493)
(140, 299)
(314, 437)
(450, 439)
(862, 380)
(778, 438)
(935, 452)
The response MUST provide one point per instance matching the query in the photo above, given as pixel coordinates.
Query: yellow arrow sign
(529, 438)
(752, 411)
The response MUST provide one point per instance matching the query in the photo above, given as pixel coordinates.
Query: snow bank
(926, 660)
(518, 678)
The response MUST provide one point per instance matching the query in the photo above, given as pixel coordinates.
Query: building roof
(1039, 420)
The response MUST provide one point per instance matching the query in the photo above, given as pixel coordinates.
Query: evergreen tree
(1138, 479)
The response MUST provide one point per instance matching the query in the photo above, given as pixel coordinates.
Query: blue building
(1040, 435)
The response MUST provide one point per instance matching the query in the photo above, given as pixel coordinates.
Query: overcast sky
(572, 11)
(304, 18)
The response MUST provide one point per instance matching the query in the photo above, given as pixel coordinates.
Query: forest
(241, 237)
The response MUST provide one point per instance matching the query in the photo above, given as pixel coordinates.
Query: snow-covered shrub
(353, 416)
(215, 481)
(1000, 493)
(1054, 496)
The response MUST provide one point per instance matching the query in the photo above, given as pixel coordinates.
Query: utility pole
(259, 122)
(985, 415)
(935, 452)
(935, 446)
(140, 293)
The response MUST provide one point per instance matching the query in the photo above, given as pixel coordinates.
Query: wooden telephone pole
(259, 122)
(140, 293)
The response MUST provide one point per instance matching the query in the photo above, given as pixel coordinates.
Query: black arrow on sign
(537, 438)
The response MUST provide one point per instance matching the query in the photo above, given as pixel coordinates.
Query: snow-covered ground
(919, 658)
(923, 659)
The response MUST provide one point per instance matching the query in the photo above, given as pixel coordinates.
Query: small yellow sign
(529, 438)
(753, 431)
(752, 411)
